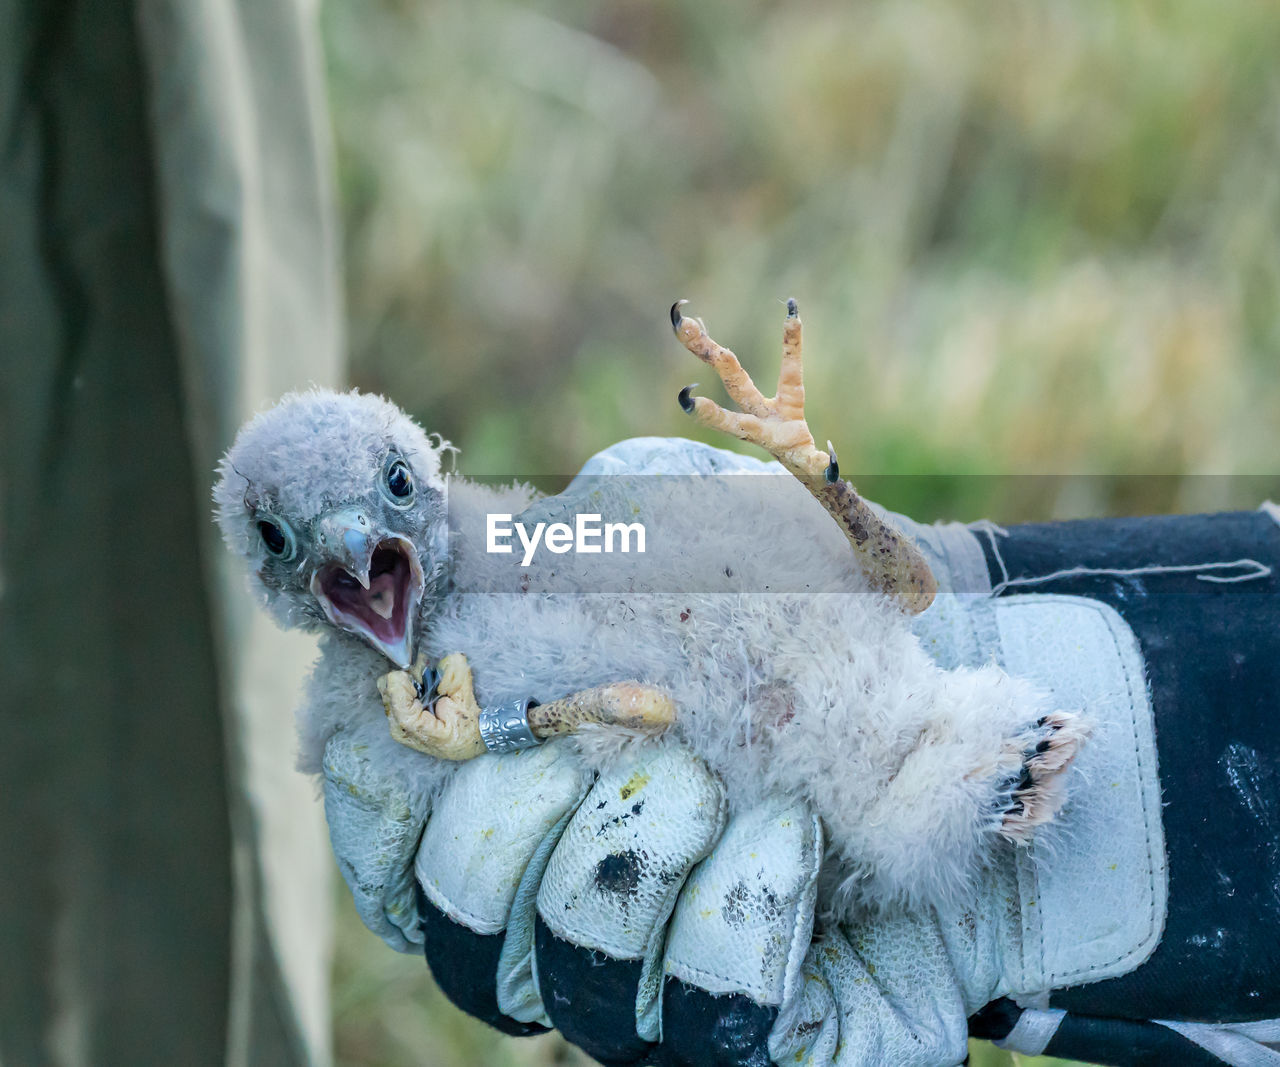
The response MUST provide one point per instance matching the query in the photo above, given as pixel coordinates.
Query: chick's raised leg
(892, 563)
(1037, 760)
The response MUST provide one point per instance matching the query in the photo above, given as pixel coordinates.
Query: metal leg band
(505, 728)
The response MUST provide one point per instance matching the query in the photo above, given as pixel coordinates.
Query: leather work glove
(1140, 927)
(547, 899)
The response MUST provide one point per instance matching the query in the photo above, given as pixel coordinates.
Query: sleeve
(168, 264)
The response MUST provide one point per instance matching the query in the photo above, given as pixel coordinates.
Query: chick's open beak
(371, 584)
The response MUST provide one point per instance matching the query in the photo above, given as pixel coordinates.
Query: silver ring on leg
(505, 727)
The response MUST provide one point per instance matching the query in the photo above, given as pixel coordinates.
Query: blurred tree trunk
(166, 266)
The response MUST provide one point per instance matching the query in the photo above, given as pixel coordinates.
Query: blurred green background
(1028, 240)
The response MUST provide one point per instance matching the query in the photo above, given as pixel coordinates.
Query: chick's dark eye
(399, 481)
(273, 537)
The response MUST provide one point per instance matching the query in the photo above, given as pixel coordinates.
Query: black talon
(793, 309)
(686, 398)
(676, 317)
(832, 473)
(425, 690)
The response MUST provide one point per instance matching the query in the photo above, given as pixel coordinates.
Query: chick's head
(336, 502)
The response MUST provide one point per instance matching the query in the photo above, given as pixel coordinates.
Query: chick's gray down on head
(345, 503)
(787, 670)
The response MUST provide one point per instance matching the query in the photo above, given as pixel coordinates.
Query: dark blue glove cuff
(1212, 651)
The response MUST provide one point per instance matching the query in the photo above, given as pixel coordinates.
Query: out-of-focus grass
(1025, 239)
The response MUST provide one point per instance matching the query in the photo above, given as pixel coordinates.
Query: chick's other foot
(448, 725)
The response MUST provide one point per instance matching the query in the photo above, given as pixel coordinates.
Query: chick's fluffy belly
(819, 690)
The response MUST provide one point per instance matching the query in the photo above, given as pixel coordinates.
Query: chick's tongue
(382, 594)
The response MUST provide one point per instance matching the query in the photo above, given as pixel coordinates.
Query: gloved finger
(375, 822)
(494, 818)
(739, 935)
(609, 890)
(875, 992)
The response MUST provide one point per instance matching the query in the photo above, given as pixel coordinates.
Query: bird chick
(787, 662)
